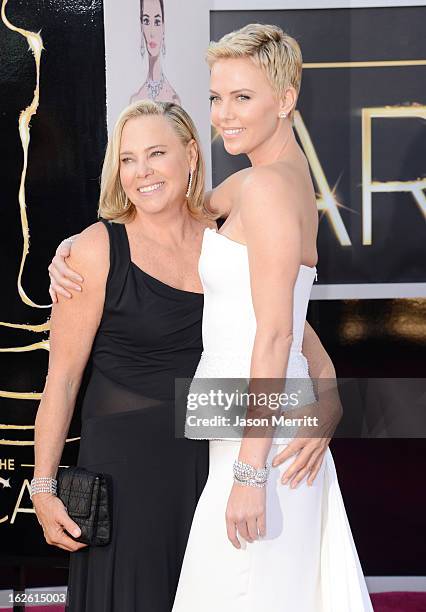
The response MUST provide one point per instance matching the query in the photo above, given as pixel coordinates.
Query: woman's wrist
(255, 451)
(250, 476)
(43, 484)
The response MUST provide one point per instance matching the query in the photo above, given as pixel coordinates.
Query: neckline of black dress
(154, 278)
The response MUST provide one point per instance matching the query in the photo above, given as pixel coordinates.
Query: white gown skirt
(307, 562)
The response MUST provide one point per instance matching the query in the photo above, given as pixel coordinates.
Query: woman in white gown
(278, 547)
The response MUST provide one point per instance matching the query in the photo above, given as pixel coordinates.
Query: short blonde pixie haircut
(277, 53)
(113, 202)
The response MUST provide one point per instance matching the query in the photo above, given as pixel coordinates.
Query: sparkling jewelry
(163, 47)
(190, 184)
(282, 115)
(247, 475)
(154, 87)
(43, 484)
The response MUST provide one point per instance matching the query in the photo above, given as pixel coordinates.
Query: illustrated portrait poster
(155, 49)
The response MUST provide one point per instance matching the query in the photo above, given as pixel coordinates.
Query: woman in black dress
(138, 324)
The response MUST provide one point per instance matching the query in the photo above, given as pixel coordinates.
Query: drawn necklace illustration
(154, 87)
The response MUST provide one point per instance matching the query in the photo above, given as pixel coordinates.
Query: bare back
(297, 191)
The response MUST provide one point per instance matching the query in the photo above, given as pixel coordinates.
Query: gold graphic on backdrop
(44, 344)
(369, 186)
(23, 442)
(28, 442)
(31, 395)
(327, 202)
(367, 64)
(42, 327)
(36, 46)
(3, 426)
(326, 199)
(23, 395)
(25, 488)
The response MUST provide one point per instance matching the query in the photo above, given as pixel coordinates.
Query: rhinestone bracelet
(43, 484)
(246, 474)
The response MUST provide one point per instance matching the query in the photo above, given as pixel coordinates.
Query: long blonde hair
(113, 202)
(277, 53)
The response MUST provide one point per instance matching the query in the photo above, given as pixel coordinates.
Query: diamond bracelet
(43, 484)
(246, 474)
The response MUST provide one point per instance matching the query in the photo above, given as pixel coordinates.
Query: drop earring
(142, 49)
(190, 184)
(163, 48)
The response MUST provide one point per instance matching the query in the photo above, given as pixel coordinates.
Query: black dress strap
(119, 260)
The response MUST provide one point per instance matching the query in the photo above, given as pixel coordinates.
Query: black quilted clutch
(86, 496)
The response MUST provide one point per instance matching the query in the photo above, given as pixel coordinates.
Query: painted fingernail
(78, 287)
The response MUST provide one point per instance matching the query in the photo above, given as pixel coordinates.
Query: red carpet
(399, 602)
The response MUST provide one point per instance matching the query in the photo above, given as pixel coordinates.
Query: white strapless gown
(307, 562)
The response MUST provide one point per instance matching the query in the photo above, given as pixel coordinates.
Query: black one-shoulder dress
(150, 334)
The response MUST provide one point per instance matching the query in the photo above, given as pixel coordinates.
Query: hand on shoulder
(91, 244)
(90, 255)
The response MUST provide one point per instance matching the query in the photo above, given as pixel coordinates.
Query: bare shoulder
(268, 188)
(270, 178)
(234, 180)
(90, 251)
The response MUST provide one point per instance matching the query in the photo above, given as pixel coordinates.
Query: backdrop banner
(361, 122)
(53, 127)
